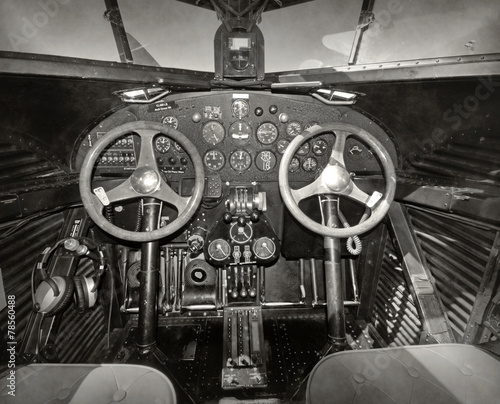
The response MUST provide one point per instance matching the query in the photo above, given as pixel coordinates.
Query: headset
(54, 293)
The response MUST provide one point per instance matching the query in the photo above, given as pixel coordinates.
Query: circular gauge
(219, 249)
(171, 121)
(310, 125)
(240, 234)
(178, 147)
(267, 133)
(240, 108)
(310, 164)
(214, 160)
(265, 160)
(213, 132)
(264, 248)
(282, 145)
(319, 147)
(162, 144)
(240, 160)
(293, 128)
(304, 149)
(240, 132)
(294, 165)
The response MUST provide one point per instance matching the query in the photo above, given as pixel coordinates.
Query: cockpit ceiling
(271, 5)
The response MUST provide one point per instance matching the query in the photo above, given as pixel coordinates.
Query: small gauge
(310, 124)
(304, 149)
(240, 132)
(171, 121)
(265, 160)
(214, 160)
(282, 145)
(241, 234)
(267, 133)
(178, 147)
(319, 147)
(240, 160)
(162, 144)
(213, 132)
(240, 108)
(264, 248)
(310, 164)
(294, 165)
(293, 128)
(219, 249)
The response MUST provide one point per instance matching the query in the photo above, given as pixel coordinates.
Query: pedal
(244, 362)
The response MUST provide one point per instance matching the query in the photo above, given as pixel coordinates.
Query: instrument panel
(239, 135)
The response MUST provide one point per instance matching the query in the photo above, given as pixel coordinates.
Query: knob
(228, 217)
(242, 221)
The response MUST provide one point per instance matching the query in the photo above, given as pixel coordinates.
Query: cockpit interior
(325, 232)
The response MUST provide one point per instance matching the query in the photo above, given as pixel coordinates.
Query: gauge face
(171, 121)
(162, 144)
(240, 132)
(214, 160)
(294, 165)
(304, 149)
(240, 160)
(264, 248)
(213, 132)
(240, 108)
(265, 160)
(240, 234)
(293, 128)
(219, 249)
(310, 164)
(267, 133)
(319, 147)
(282, 145)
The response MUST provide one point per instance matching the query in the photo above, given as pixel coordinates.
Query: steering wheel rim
(343, 186)
(146, 167)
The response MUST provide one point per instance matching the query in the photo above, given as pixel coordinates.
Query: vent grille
(456, 254)
(395, 315)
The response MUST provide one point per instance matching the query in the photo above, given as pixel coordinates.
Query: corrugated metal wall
(456, 254)
(18, 254)
(395, 315)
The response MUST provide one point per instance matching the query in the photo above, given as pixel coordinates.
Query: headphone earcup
(80, 301)
(84, 297)
(46, 300)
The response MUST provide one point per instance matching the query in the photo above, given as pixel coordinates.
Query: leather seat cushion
(84, 383)
(446, 373)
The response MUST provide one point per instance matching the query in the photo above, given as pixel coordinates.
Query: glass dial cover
(267, 133)
(264, 248)
(240, 160)
(162, 144)
(240, 108)
(213, 132)
(241, 234)
(214, 160)
(219, 249)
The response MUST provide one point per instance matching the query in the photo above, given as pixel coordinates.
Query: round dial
(171, 121)
(240, 234)
(293, 128)
(219, 249)
(240, 160)
(282, 145)
(267, 133)
(294, 165)
(264, 248)
(265, 160)
(240, 108)
(214, 160)
(319, 147)
(310, 164)
(162, 144)
(304, 149)
(240, 132)
(213, 132)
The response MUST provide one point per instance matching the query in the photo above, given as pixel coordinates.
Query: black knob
(273, 109)
(184, 161)
(242, 221)
(228, 217)
(259, 111)
(254, 216)
(172, 160)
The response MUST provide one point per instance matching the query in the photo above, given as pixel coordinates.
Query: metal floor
(190, 354)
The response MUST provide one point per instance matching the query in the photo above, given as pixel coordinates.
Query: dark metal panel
(434, 318)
